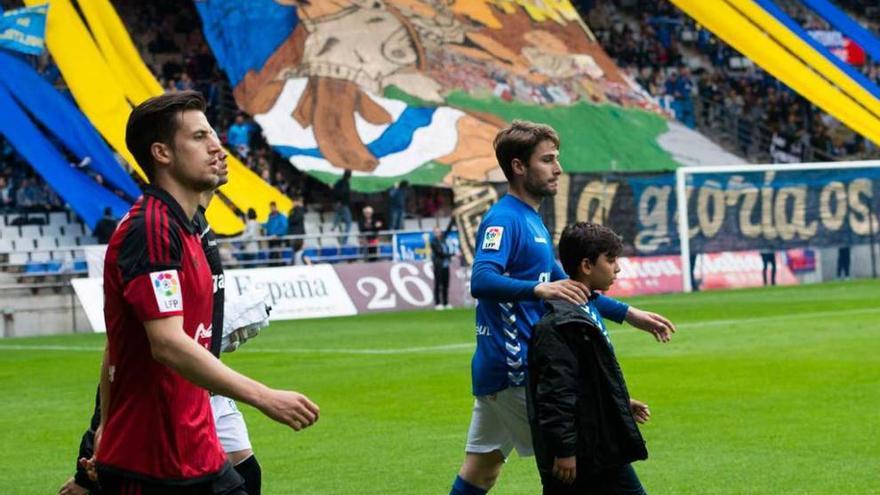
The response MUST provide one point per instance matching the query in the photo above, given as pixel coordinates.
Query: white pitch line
(401, 350)
(469, 345)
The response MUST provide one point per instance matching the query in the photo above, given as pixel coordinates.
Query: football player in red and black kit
(157, 433)
(229, 422)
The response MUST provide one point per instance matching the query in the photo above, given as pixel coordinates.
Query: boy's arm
(556, 369)
(653, 323)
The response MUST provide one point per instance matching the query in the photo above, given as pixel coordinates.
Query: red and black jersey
(159, 425)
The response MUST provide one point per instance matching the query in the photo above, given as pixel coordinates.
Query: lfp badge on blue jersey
(166, 287)
(23, 30)
(492, 238)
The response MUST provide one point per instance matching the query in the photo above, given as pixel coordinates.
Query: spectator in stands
(7, 196)
(342, 204)
(276, 226)
(280, 182)
(105, 227)
(28, 195)
(251, 232)
(397, 204)
(239, 135)
(441, 255)
(370, 226)
(185, 83)
(296, 222)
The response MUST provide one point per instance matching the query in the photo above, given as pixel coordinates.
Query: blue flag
(23, 30)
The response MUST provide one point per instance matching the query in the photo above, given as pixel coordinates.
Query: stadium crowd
(704, 83)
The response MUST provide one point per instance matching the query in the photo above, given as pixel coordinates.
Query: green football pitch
(765, 391)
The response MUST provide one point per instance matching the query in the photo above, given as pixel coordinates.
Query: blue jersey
(514, 253)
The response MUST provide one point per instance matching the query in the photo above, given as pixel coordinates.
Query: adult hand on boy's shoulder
(640, 411)
(565, 469)
(657, 325)
(566, 289)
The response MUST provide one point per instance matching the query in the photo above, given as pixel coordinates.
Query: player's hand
(71, 488)
(658, 326)
(89, 464)
(566, 290)
(640, 411)
(291, 408)
(565, 469)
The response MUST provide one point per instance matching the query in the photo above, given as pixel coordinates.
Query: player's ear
(518, 167)
(161, 153)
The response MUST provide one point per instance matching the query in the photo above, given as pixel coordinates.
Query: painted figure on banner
(418, 88)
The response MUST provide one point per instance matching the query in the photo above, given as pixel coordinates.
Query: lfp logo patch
(492, 238)
(166, 286)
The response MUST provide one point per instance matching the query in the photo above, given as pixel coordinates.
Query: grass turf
(761, 391)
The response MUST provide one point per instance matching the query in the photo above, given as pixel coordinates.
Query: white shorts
(500, 422)
(230, 425)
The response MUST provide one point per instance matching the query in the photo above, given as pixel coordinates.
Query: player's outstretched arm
(171, 346)
(653, 323)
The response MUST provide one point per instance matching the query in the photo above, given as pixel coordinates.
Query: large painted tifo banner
(417, 89)
(726, 211)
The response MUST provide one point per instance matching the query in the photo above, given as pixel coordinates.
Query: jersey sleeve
(150, 261)
(496, 244)
(558, 273)
(611, 308)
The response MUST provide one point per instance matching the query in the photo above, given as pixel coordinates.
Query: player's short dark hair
(156, 120)
(519, 140)
(584, 240)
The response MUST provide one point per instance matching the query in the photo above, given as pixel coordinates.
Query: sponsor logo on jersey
(203, 335)
(166, 287)
(492, 238)
(540, 240)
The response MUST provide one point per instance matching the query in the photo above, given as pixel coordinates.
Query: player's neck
(520, 193)
(187, 198)
(205, 198)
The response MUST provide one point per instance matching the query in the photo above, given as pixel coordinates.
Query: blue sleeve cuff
(611, 309)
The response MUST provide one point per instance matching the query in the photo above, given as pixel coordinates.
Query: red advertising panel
(662, 274)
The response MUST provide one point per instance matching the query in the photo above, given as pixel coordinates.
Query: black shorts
(228, 482)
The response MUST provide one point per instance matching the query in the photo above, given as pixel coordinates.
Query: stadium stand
(706, 84)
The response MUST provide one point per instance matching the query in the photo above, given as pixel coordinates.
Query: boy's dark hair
(519, 140)
(156, 120)
(584, 240)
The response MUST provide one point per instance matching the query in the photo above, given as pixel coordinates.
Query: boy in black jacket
(582, 419)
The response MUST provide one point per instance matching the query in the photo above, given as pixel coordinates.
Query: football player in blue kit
(514, 272)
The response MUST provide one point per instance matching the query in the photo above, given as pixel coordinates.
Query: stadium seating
(37, 245)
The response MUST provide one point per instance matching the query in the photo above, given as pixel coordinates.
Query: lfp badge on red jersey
(166, 286)
(492, 238)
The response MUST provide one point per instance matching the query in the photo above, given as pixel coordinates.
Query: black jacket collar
(565, 312)
(173, 206)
